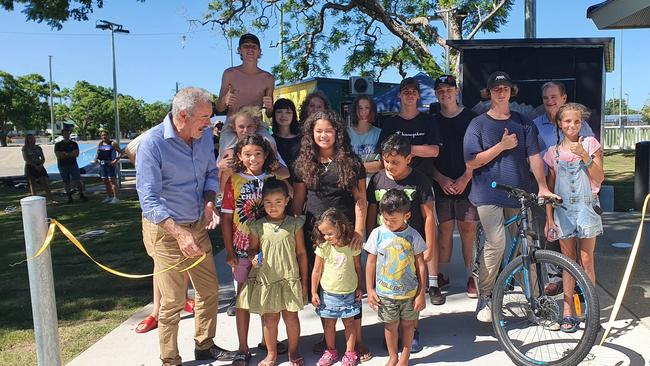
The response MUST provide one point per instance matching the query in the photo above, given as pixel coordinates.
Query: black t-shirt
(415, 185)
(420, 130)
(450, 162)
(67, 147)
(288, 149)
(329, 194)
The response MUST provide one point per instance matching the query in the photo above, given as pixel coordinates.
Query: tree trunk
(3, 138)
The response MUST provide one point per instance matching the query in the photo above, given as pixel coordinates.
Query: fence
(611, 137)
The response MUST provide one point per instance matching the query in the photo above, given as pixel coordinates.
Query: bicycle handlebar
(519, 193)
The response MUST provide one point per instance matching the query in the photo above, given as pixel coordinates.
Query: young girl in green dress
(278, 281)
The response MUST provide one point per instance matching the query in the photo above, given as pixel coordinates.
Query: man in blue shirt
(553, 96)
(177, 184)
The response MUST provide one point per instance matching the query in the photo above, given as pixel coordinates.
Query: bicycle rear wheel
(530, 334)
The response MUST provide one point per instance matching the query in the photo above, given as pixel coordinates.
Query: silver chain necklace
(326, 166)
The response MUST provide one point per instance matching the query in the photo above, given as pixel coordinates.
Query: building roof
(620, 14)
(606, 42)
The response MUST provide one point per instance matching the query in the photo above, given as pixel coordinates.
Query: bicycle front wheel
(530, 331)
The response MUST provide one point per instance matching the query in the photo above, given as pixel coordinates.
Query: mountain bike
(525, 320)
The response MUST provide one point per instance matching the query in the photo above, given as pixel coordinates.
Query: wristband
(589, 162)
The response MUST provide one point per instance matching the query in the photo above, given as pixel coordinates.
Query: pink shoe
(350, 359)
(329, 357)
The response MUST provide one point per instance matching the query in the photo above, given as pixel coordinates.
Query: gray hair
(558, 84)
(187, 98)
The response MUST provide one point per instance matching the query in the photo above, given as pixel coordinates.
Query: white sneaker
(107, 200)
(114, 200)
(483, 311)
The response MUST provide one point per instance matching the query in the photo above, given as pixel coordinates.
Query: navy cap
(445, 80)
(249, 38)
(499, 78)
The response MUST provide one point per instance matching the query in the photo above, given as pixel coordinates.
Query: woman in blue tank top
(108, 155)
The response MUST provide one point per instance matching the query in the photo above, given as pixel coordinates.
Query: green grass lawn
(619, 172)
(90, 302)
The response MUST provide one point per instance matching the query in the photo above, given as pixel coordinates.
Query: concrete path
(450, 333)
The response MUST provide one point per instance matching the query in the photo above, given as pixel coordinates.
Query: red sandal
(147, 324)
(189, 306)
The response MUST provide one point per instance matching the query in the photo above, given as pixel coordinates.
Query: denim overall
(579, 219)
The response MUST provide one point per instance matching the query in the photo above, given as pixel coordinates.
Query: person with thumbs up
(499, 145)
(245, 85)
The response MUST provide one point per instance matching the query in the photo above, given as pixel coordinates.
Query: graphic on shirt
(249, 201)
(243, 198)
(338, 263)
(379, 193)
(396, 276)
(410, 193)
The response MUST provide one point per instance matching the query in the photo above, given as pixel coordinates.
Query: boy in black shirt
(451, 181)
(420, 128)
(66, 152)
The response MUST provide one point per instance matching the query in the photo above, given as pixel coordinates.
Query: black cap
(499, 78)
(445, 80)
(409, 83)
(249, 38)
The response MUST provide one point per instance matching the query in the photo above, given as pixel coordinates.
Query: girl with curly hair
(328, 174)
(245, 122)
(241, 206)
(337, 270)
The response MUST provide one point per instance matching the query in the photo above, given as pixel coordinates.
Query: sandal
(241, 359)
(147, 324)
(281, 348)
(350, 359)
(299, 361)
(364, 355)
(572, 323)
(329, 357)
(189, 306)
(266, 363)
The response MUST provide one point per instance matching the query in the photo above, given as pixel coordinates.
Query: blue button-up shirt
(547, 136)
(172, 176)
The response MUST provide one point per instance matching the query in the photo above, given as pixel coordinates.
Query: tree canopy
(376, 34)
(54, 13)
(23, 103)
(24, 106)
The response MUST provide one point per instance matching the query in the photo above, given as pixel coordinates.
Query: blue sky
(163, 48)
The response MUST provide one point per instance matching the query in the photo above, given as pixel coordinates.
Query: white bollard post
(41, 282)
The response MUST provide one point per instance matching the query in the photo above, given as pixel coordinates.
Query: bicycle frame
(521, 237)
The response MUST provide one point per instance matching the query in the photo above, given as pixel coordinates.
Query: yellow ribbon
(628, 272)
(50, 235)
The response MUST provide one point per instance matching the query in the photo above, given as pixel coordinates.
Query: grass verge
(619, 172)
(90, 302)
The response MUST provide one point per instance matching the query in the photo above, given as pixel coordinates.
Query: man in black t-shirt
(451, 181)
(419, 128)
(66, 152)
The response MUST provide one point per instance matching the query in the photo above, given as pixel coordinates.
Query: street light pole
(51, 103)
(114, 28)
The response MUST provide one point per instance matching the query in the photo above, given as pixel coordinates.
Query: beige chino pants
(165, 252)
